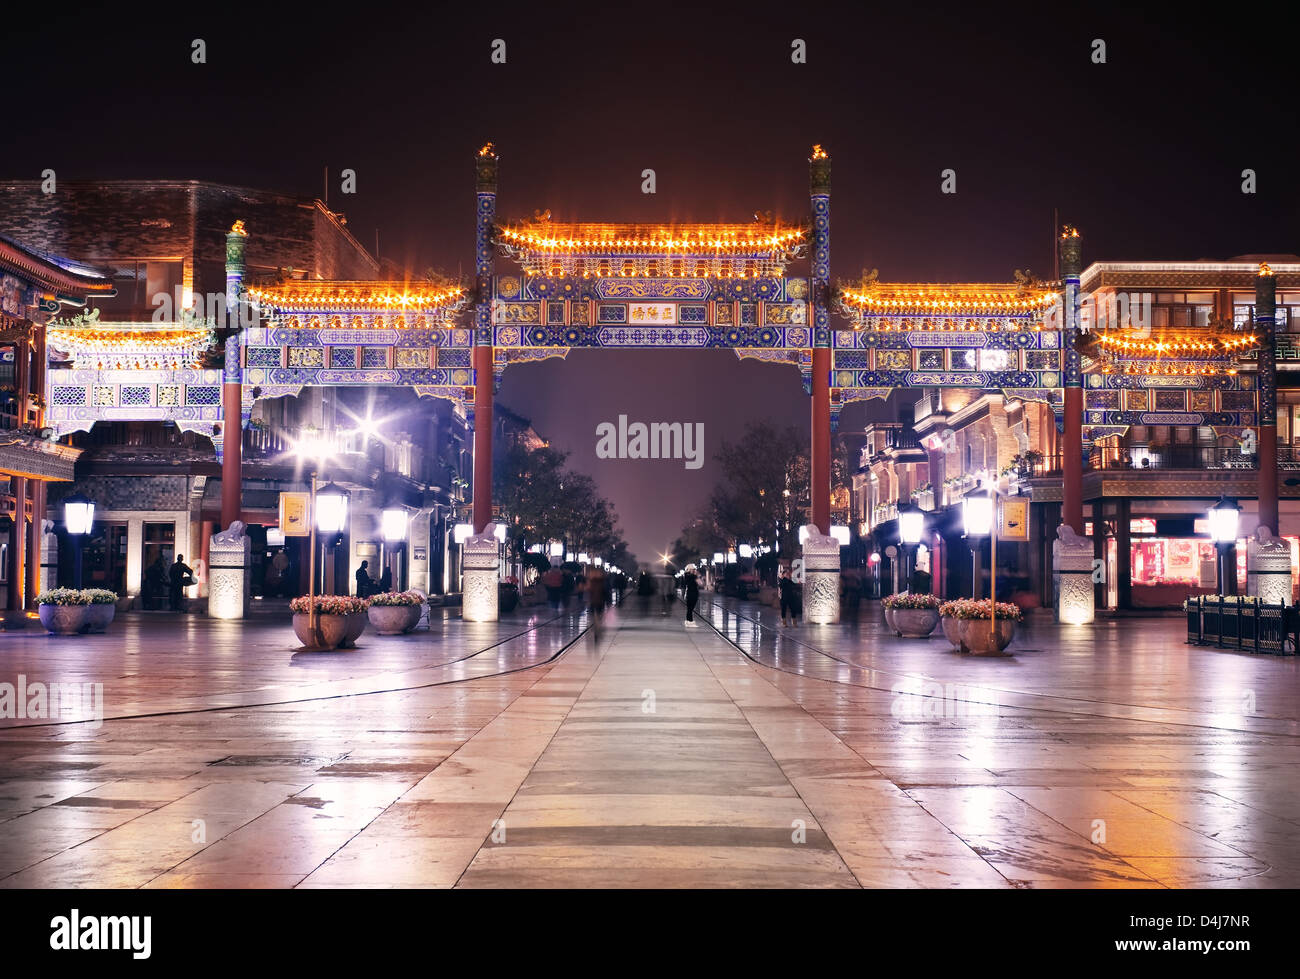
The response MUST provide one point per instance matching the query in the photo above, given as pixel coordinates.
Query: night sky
(1143, 153)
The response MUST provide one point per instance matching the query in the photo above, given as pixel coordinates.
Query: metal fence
(1233, 622)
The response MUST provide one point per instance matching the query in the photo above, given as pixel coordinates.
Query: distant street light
(911, 528)
(78, 518)
(977, 519)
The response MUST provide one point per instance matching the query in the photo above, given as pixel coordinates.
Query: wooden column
(1072, 409)
(1265, 311)
(35, 539)
(485, 186)
(14, 564)
(821, 439)
(819, 184)
(482, 437)
(232, 407)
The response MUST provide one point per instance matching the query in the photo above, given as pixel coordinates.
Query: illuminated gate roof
(761, 248)
(319, 295)
(948, 302)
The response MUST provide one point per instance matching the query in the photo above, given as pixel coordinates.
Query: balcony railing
(1142, 458)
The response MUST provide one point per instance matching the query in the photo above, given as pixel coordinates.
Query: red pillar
(232, 446)
(17, 542)
(1071, 261)
(35, 539)
(1072, 461)
(821, 438)
(482, 437)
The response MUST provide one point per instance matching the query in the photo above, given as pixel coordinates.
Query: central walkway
(661, 756)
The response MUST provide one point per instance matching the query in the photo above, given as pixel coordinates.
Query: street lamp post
(331, 509)
(78, 518)
(977, 520)
(394, 523)
(1224, 517)
(911, 528)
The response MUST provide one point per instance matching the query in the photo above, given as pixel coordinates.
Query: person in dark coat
(692, 587)
(179, 577)
(386, 580)
(155, 583)
(789, 599)
(365, 586)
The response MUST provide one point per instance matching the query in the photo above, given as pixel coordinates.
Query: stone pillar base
(480, 577)
(1072, 575)
(821, 578)
(229, 570)
(1268, 568)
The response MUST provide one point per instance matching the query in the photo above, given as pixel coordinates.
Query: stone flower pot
(889, 620)
(413, 612)
(915, 623)
(64, 620)
(99, 616)
(979, 639)
(392, 620)
(332, 630)
(952, 630)
(357, 623)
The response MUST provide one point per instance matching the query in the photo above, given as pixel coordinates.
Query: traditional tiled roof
(51, 272)
(760, 248)
(309, 294)
(948, 299)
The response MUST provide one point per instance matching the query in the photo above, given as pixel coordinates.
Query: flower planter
(980, 640)
(952, 630)
(392, 620)
(889, 620)
(356, 624)
(332, 630)
(915, 623)
(99, 615)
(507, 598)
(414, 612)
(64, 620)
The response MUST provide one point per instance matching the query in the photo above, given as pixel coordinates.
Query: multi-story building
(1159, 452)
(33, 287)
(156, 481)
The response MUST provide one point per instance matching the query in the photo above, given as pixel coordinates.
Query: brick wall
(127, 492)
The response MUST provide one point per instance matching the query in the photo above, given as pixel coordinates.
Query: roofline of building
(49, 274)
(299, 199)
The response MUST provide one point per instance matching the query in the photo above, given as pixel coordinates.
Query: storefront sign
(294, 518)
(1014, 522)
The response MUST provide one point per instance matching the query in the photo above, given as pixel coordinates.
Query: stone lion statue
(232, 534)
(1265, 542)
(1070, 542)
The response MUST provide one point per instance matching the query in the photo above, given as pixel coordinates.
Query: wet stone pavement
(735, 754)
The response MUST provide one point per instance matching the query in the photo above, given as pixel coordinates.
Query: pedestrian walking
(789, 598)
(597, 599)
(692, 591)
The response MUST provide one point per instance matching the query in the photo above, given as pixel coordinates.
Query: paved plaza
(532, 753)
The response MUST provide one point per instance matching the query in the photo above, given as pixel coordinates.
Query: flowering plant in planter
(329, 605)
(65, 596)
(391, 598)
(908, 600)
(969, 608)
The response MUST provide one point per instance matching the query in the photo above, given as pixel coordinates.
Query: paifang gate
(686, 286)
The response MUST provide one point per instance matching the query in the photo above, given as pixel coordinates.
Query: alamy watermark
(930, 700)
(655, 440)
(54, 701)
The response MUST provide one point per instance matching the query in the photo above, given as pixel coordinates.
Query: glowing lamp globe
(1224, 517)
(911, 523)
(78, 513)
(394, 525)
(977, 513)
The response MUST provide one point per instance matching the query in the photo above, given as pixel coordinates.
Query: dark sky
(1144, 153)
